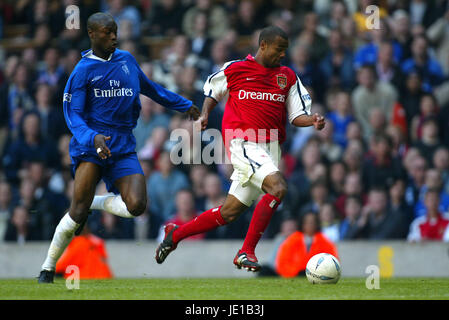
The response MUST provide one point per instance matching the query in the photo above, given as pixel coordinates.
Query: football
(323, 268)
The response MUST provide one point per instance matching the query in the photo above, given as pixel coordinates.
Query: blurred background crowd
(379, 169)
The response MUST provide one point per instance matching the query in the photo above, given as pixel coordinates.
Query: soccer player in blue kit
(101, 107)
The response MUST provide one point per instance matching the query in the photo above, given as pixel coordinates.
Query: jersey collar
(89, 54)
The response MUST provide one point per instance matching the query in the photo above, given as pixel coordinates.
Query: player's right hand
(101, 147)
(318, 121)
(203, 121)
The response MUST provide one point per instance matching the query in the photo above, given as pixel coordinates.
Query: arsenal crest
(281, 80)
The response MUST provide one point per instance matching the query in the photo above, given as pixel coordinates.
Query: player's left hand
(101, 147)
(318, 121)
(193, 112)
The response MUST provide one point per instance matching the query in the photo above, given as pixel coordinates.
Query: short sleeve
(216, 85)
(298, 101)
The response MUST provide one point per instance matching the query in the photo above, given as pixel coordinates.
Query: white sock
(61, 239)
(112, 204)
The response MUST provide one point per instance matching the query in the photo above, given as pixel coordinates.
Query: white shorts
(252, 162)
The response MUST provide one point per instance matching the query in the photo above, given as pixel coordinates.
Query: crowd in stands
(379, 169)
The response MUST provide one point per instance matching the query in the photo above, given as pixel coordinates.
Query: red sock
(259, 222)
(206, 221)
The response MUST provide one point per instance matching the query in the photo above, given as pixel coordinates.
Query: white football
(323, 268)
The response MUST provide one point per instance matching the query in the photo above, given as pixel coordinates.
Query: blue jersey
(102, 97)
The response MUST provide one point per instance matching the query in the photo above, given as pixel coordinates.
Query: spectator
(387, 67)
(330, 149)
(353, 155)
(185, 212)
(398, 139)
(352, 187)
(196, 176)
(428, 108)
(329, 223)
(371, 93)
(377, 121)
(429, 141)
(52, 119)
(247, 21)
(19, 229)
(341, 117)
(30, 146)
(302, 64)
(301, 180)
(376, 220)
(410, 97)
(52, 72)
(433, 181)
(311, 38)
(401, 30)
(121, 13)
(337, 175)
(188, 85)
(162, 187)
(337, 65)
(370, 53)
(416, 175)
(422, 13)
(213, 190)
(338, 13)
(438, 35)
(380, 168)
(218, 18)
(434, 226)
(299, 247)
(350, 226)
(6, 207)
(441, 163)
(166, 18)
(152, 115)
(201, 42)
(19, 98)
(354, 131)
(319, 195)
(421, 62)
(399, 209)
(154, 144)
(177, 56)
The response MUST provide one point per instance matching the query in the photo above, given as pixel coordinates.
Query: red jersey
(259, 99)
(424, 228)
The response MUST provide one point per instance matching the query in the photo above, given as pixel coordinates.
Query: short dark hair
(98, 19)
(270, 33)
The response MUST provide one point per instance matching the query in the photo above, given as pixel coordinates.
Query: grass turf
(225, 289)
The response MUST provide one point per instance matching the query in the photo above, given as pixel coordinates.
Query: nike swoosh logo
(96, 78)
(250, 79)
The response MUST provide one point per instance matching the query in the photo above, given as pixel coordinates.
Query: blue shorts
(112, 168)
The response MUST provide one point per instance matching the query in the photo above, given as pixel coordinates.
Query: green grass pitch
(225, 289)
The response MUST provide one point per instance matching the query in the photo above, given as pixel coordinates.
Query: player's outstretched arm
(315, 120)
(208, 105)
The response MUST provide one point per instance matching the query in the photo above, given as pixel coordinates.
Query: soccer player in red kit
(262, 96)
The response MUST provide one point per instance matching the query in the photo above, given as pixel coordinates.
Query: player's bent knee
(136, 206)
(279, 190)
(79, 212)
